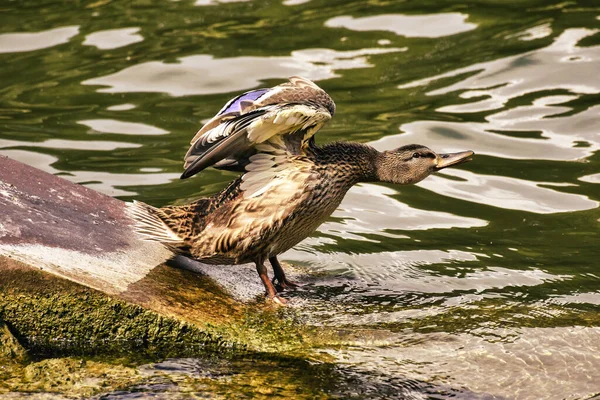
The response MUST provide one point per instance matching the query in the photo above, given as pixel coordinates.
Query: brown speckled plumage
(290, 185)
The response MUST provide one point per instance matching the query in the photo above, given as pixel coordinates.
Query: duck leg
(282, 282)
(269, 288)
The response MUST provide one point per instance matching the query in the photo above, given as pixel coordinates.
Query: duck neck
(349, 161)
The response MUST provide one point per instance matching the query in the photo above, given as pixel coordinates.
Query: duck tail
(150, 224)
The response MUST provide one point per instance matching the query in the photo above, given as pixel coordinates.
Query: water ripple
(369, 209)
(455, 136)
(427, 26)
(96, 145)
(537, 32)
(537, 363)
(204, 74)
(216, 2)
(402, 271)
(562, 65)
(593, 178)
(125, 128)
(508, 193)
(18, 42)
(104, 182)
(113, 38)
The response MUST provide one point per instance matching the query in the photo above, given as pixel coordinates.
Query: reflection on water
(113, 38)
(121, 107)
(126, 128)
(369, 209)
(594, 178)
(402, 271)
(203, 74)
(525, 363)
(508, 193)
(480, 282)
(579, 298)
(294, 2)
(429, 26)
(68, 144)
(537, 32)
(562, 65)
(215, 2)
(451, 136)
(19, 42)
(104, 182)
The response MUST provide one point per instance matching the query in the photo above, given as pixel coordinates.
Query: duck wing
(284, 117)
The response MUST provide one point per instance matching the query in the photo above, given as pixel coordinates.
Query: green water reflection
(484, 278)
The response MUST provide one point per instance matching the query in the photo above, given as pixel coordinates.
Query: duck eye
(415, 155)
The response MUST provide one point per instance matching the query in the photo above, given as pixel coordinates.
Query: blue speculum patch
(234, 105)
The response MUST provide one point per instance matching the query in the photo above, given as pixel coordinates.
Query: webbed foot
(279, 280)
(279, 300)
(270, 290)
(283, 284)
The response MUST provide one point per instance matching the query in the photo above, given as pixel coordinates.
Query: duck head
(413, 163)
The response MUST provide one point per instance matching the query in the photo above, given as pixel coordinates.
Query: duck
(287, 186)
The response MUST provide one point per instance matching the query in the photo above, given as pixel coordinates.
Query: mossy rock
(70, 376)
(10, 348)
(51, 316)
(171, 313)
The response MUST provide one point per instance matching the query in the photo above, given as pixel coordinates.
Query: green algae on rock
(71, 377)
(187, 314)
(50, 315)
(10, 348)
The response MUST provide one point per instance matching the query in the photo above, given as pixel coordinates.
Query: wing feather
(233, 108)
(248, 131)
(242, 128)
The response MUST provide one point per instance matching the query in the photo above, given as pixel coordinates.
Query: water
(480, 282)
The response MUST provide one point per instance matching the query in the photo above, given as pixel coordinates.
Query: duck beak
(449, 159)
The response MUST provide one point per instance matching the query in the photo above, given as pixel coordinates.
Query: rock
(10, 348)
(71, 231)
(75, 278)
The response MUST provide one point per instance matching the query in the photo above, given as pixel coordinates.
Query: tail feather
(150, 225)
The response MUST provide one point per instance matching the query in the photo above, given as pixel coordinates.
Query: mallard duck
(288, 185)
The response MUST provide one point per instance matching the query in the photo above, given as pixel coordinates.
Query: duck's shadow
(241, 281)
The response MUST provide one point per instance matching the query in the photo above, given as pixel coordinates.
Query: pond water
(480, 282)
